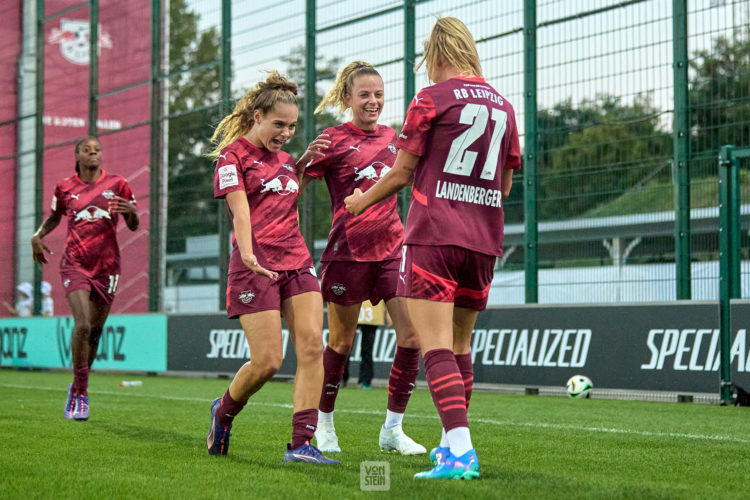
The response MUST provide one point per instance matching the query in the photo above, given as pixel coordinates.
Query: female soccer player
(270, 269)
(92, 200)
(456, 134)
(361, 259)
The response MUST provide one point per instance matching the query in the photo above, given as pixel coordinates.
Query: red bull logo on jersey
(92, 214)
(282, 185)
(371, 171)
(73, 37)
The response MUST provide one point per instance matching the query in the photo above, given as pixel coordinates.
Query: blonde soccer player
(271, 273)
(459, 146)
(362, 256)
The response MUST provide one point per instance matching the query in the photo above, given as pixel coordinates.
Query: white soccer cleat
(326, 438)
(394, 439)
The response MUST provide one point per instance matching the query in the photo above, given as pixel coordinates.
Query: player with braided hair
(92, 200)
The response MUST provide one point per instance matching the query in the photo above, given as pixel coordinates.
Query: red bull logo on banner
(73, 38)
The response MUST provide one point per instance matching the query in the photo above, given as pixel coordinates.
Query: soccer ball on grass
(579, 387)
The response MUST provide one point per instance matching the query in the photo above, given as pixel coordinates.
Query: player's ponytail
(78, 147)
(336, 96)
(451, 40)
(263, 97)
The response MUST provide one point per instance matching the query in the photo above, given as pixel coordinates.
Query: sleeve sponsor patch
(228, 176)
(54, 203)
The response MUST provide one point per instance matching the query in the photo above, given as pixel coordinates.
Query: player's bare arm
(306, 179)
(394, 181)
(240, 208)
(38, 248)
(128, 210)
(506, 181)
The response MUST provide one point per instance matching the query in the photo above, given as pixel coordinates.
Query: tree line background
(601, 156)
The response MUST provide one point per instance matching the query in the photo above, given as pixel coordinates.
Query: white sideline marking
(604, 430)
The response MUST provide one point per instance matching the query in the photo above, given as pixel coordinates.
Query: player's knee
(341, 346)
(311, 352)
(95, 335)
(82, 329)
(408, 338)
(269, 368)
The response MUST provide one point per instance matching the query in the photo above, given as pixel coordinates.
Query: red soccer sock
(228, 409)
(81, 378)
(403, 376)
(333, 366)
(446, 387)
(304, 424)
(466, 367)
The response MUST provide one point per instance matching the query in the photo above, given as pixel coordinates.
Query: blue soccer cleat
(438, 454)
(464, 467)
(307, 453)
(70, 403)
(217, 440)
(81, 407)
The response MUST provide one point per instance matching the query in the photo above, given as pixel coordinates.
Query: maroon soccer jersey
(270, 182)
(91, 245)
(358, 159)
(464, 133)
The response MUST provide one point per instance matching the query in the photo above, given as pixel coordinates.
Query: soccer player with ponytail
(459, 147)
(271, 273)
(363, 253)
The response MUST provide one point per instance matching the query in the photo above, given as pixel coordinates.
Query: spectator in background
(24, 306)
(48, 305)
(370, 317)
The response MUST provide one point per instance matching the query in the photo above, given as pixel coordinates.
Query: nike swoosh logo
(304, 457)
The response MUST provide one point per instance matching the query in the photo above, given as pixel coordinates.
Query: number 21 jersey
(464, 133)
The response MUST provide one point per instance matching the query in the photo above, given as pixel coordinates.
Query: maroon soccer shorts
(249, 293)
(349, 282)
(446, 274)
(101, 288)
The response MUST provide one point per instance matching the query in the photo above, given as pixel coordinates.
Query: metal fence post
(225, 107)
(409, 62)
(39, 146)
(311, 76)
(531, 262)
(726, 277)
(93, 66)
(155, 230)
(681, 140)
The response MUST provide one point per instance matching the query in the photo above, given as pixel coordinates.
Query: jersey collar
(101, 176)
(363, 132)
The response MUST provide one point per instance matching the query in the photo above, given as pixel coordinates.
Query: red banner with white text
(123, 123)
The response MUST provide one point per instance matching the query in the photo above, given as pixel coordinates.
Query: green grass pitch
(149, 442)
